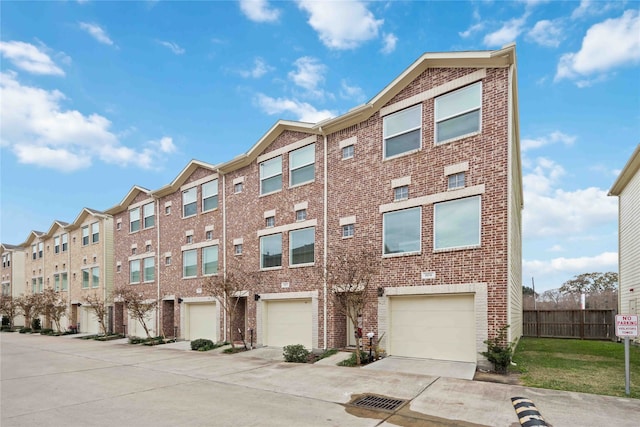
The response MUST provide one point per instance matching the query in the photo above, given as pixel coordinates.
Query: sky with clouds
(99, 96)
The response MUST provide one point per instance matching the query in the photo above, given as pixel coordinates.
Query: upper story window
(271, 251)
(301, 246)
(210, 195)
(95, 232)
(347, 152)
(34, 252)
(134, 271)
(85, 279)
(190, 263)
(134, 220)
(455, 181)
(167, 210)
(458, 113)
(301, 215)
(237, 249)
(40, 249)
(457, 223)
(302, 165)
(118, 225)
(95, 277)
(189, 239)
(65, 242)
(210, 260)
(189, 203)
(56, 244)
(149, 215)
(85, 235)
(270, 221)
(402, 131)
(237, 187)
(348, 230)
(271, 175)
(149, 269)
(208, 235)
(401, 231)
(65, 281)
(401, 193)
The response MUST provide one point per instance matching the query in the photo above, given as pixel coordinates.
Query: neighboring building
(56, 265)
(627, 188)
(13, 274)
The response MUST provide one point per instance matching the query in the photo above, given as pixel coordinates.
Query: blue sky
(99, 96)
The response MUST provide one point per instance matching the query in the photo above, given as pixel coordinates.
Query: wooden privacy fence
(583, 324)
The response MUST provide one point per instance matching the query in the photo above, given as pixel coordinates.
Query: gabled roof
(83, 214)
(182, 177)
(33, 234)
(7, 247)
(128, 199)
(628, 172)
(56, 224)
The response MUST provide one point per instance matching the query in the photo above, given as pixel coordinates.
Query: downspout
(224, 245)
(510, 200)
(161, 308)
(104, 271)
(324, 239)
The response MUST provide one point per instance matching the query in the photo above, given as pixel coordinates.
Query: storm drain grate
(379, 403)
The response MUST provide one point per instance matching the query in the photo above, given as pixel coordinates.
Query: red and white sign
(626, 325)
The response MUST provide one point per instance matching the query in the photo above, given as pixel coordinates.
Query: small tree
(227, 289)
(137, 305)
(499, 350)
(29, 305)
(99, 308)
(590, 283)
(350, 274)
(9, 307)
(54, 306)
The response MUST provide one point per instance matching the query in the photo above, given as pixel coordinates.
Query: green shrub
(351, 361)
(35, 324)
(136, 340)
(25, 330)
(6, 328)
(46, 331)
(202, 344)
(499, 351)
(327, 353)
(295, 353)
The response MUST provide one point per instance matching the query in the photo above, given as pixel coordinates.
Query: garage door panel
(136, 329)
(435, 327)
(202, 322)
(288, 322)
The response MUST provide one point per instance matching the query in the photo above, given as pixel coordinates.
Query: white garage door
(136, 329)
(288, 322)
(201, 322)
(433, 327)
(88, 321)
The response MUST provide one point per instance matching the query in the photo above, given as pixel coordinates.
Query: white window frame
(206, 196)
(56, 244)
(237, 249)
(262, 239)
(146, 216)
(472, 245)
(238, 187)
(131, 270)
(190, 252)
(56, 282)
(401, 193)
(64, 281)
(300, 152)
(348, 152)
(95, 232)
(348, 231)
(408, 130)
(86, 284)
(95, 277)
(85, 235)
(384, 232)
(292, 235)
(217, 262)
(264, 177)
(270, 222)
(450, 97)
(191, 193)
(301, 215)
(454, 181)
(144, 278)
(134, 217)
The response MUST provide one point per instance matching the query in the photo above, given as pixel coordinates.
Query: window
(271, 175)
(167, 260)
(210, 260)
(348, 230)
(189, 205)
(85, 279)
(209, 235)
(457, 223)
(237, 187)
(134, 271)
(302, 165)
(134, 251)
(301, 246)
(118, 268)
(6, 288)
(34, 252)
(65, 242)
(237, 249)
(56, 244)
(401, 193)
(85, 235)
(118, 226)
(40, 285)
(149, 269)
(210, 195)
(149, 215)
(95, 232)
(56, 282)
(270, 221)
(95, 277)
(65, 282)
(402, 131)
(190, 263)
(401, 231)
(189, 239)
(455, 181)
(347, 152)
(167, 210)
(148, 248)
(458, 113)
(134, 220)
(271, 251)
(301, 215)
(40, 249)
(34, 286)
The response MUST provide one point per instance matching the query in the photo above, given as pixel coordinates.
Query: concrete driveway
(54, 381)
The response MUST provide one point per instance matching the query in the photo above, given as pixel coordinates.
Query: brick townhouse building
(427, 173)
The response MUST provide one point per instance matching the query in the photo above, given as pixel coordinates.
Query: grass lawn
(577, 365)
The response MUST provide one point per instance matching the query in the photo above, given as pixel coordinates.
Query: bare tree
(350, 274)
(8, 307)
(590, 283)
(30, 305)
(137, 305)
(54, 306)
(99, 308)
(228, 289)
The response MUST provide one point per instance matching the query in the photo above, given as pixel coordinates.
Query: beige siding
(630, 245)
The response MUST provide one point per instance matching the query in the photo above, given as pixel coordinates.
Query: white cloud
(556, 248)
(352, 93)
(29, 58)
(40, 132)
(303, 111)
(390, 40)
(573, 266)
(259, 10)
(608, 44)
(96, 32)
(553, 138)
(260, 68)
(341, 25)
(546, 33)
(309, 73)
(552, 211)
(591, 8)
(508, 33)
(174, 47)
(471, 30)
